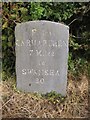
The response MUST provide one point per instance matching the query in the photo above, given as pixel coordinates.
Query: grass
(52, 105)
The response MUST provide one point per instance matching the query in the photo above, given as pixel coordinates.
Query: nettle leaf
(13, 16)
(23, 10)
(4, 37)
(5, 25)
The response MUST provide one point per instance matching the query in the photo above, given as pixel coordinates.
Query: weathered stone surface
(41, 56)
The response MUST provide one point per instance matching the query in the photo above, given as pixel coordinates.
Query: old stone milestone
(41, 56)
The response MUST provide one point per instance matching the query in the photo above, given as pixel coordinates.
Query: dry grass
(20, 104)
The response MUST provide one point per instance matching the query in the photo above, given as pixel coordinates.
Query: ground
(20, 104)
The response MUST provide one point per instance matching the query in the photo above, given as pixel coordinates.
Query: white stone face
(41, 56)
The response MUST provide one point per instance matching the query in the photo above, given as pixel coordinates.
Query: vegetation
(17, 104)
(76, 15)
(52, 105)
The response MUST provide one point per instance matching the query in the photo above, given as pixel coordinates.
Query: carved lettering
(57, 73)
(28, 43)
(52, 54)
(35, 72)
(43, 72)
(24, 72)
(30, 71)
(52, 72)
(39, 81)
(30, 52)
(46, 72)
(65, 44)
(39, 52)
(22, 43)
(17, 43)
(49, 43)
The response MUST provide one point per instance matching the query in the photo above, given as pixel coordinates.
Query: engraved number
(39, 81)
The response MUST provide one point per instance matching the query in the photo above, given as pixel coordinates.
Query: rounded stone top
(43, 22)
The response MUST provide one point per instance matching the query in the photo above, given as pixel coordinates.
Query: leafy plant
(14, 13)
